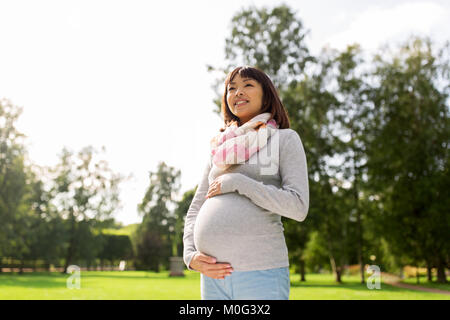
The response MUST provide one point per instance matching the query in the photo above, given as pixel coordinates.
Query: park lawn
(141, 285)
(101, 285)
(424, 283)
(323, 287)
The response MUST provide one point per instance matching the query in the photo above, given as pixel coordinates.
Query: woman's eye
(229, 89)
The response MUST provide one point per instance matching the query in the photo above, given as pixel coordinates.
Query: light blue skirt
(270, 284)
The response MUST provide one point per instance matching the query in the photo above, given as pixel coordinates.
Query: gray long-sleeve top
(242, 225)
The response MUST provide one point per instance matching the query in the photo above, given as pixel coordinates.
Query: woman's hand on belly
(207, 265)
(223, 184)
(215, 187)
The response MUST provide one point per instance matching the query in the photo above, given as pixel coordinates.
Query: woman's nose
(238, 92)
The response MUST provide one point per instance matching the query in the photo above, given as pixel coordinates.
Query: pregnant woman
(256, 173)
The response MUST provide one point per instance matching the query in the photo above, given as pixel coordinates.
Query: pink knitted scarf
(237, 144)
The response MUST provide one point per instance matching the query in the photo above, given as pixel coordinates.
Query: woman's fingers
(211, 189)
(214, 270)
(219, 270)
(226, 272)
(214, 188)
(209, 267)
(219, 275)
(205, 258)
(219, 267)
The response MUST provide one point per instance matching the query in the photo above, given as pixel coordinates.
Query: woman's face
(250, 92)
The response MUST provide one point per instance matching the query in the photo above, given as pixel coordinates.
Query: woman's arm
(292, 199)
(189, 249)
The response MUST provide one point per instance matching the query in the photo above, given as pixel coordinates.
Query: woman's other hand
(223, 184)
(215, 187)
(207, 265)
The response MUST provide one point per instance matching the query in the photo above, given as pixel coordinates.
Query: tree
(349, 119)
(155, 233)
(180, 216)
(273, 40)
(83, 189)
(47, 230)
(13, 213)
(408, 150)
(116, 247)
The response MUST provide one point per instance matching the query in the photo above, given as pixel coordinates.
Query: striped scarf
(237, 144)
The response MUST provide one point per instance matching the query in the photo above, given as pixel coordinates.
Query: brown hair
(270, 102)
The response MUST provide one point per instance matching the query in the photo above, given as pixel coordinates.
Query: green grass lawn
(424, 283)
(323, 286)
(150, 285)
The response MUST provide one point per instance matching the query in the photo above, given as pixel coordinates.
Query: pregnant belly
(229, 216)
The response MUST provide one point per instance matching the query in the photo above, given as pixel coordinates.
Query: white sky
(131, 75)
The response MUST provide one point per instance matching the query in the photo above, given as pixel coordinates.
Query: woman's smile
(240, 105)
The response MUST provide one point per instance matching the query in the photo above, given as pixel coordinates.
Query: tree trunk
(21, 267)
(336, 269)
(441, 277)
(69, 256)
(358, 223)
(71, 249)
(429, 272)
(302, 270)
(417, 275)
(360, 244)
(338, 274)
